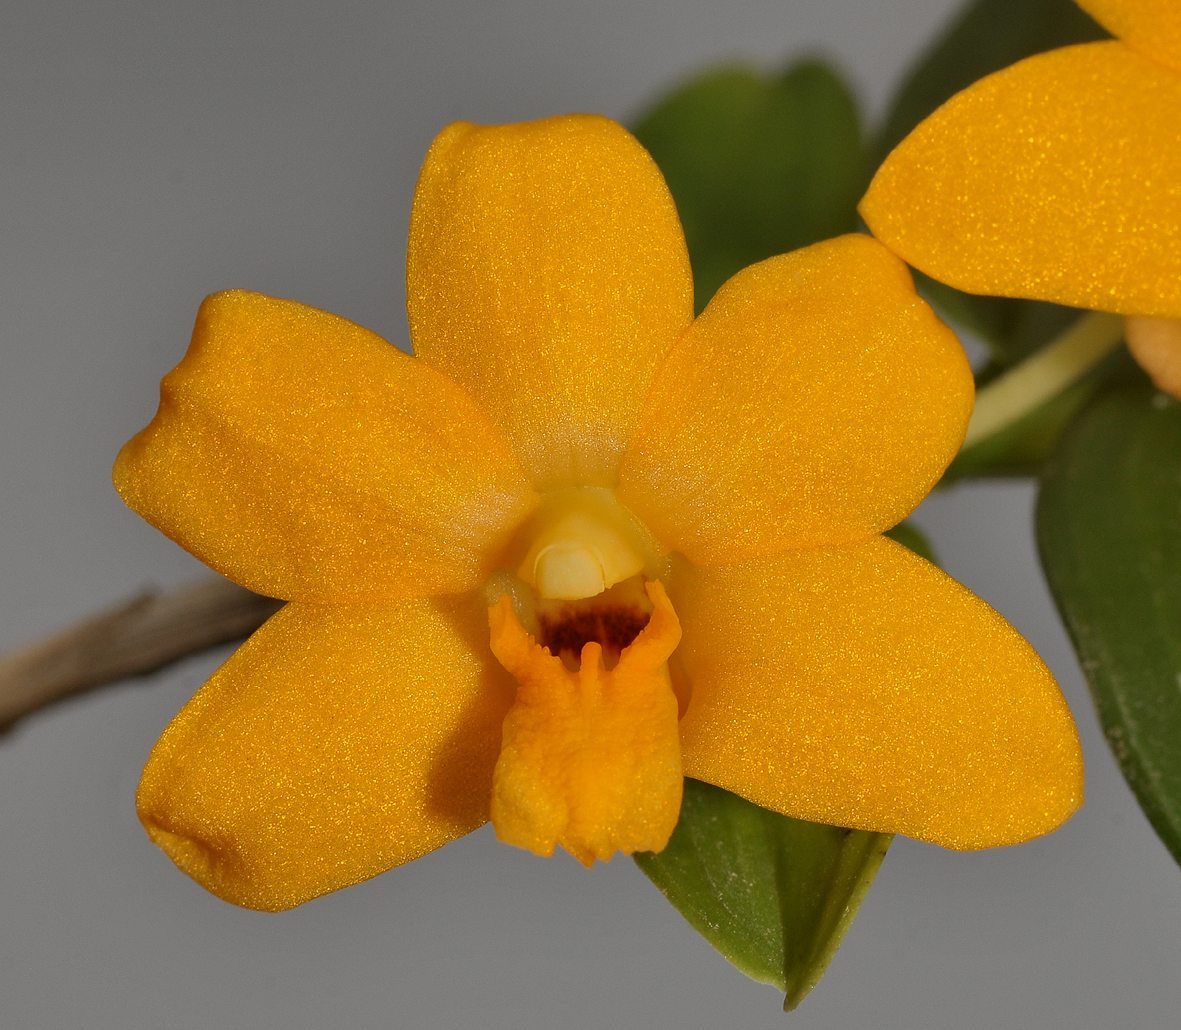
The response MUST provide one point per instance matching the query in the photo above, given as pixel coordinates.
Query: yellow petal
(1156, 344)
(816, 400)
(862, 687)
(1151, 26)
(337, 742)
(308, 459)
(591, 758)
(547, 274)
(1058, 179)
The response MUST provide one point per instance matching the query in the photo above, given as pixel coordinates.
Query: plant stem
(1044, 375)
(134, 639)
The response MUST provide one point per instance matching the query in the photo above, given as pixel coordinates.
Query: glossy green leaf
(758, 164)
(774, 895)
(1109, 532)
(988, 36)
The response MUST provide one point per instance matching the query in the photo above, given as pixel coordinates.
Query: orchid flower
(580, 546)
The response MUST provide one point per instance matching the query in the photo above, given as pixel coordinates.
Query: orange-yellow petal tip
(1053, 179)
(213, 867)
(590, 758)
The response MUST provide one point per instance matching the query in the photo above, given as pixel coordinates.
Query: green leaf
(988, 36)
(758, 164)
(1109, 532)
(774, 895)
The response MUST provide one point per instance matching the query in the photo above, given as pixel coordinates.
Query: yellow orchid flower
(491, 550)
(1058, 178)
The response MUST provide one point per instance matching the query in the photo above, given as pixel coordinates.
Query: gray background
(152, 153)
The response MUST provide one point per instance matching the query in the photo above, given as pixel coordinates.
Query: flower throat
(590, 754)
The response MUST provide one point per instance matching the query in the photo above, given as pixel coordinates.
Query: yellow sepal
(1152, 27)
(337, 742)
(816, 400)
(547, 274)
(1155, 343)
(306, 458)
(860, 686)
(1055, 179)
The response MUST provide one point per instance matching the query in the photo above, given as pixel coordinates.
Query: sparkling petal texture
(1152, 27)
(339, 741)
(308, 459)
(862, 687)
(815, 401)
(1058, 179)
(547, 273)
(591, 759)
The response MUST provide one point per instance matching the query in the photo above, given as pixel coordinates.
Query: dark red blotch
(614, 626)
